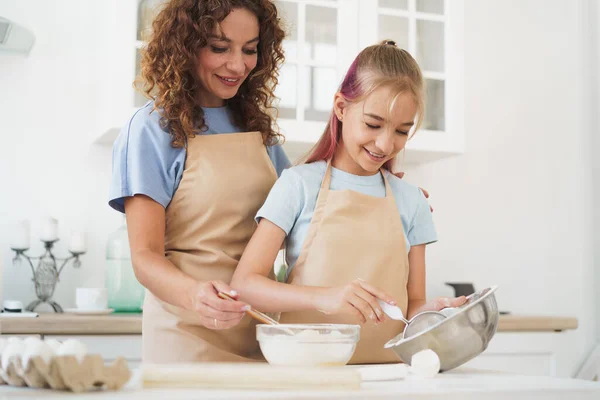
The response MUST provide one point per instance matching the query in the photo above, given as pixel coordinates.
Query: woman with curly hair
(192, 167)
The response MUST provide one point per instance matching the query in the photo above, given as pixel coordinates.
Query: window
(147, 10)
(419, 27)
(324, 36)
(309, 78)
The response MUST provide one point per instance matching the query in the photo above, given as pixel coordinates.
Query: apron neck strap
(388, 189)
(327, 178)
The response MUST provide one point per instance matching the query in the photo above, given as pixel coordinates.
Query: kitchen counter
(131, 324)
(72, 324)
(460, 384)
(532, 323)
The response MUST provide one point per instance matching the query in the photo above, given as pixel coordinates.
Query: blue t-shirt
(292, 200)
(144, 162)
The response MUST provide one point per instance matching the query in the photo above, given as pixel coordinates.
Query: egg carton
(66, 372)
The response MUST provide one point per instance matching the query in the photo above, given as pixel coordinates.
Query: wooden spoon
(264, 318)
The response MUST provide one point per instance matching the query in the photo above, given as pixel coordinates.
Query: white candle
(20, 236)
(49, 230)
(77, 243)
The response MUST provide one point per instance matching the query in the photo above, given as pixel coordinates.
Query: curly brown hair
(168, 74)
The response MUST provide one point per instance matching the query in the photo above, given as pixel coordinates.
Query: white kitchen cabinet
(528, 353)
(522, 353)
(323, 37)
(110, 346)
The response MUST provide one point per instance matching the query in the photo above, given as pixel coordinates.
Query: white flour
(308, 347)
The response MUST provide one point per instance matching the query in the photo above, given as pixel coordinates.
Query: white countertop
(460, 384)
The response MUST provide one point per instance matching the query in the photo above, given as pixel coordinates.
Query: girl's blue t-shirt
(292, 200)
(144, 162)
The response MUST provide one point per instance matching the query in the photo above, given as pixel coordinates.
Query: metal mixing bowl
(460, 337)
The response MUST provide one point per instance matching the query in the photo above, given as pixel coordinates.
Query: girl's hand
(216, 313)
(357, 298)
(442, 302)
(425, 192)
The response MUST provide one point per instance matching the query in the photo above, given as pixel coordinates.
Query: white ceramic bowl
(308, 345)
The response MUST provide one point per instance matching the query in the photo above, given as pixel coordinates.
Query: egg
(31, 340)
(3, 343)
(54, 345)
(425, 364)
(37, 348)
(73, 347)
(14, 348)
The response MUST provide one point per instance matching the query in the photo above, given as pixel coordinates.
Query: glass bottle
(125, 293)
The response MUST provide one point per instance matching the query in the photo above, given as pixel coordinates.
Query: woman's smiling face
(228, 58)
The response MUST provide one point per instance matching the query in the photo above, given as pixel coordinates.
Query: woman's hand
(357, 298)
(216, 313)
(425, 192)
(440, 303)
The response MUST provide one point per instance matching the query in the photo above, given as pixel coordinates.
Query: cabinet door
(432, 31)
(529, 353)
(321, 42)
(420, 27)
(110, 347)
(146, 12)
(324, 37)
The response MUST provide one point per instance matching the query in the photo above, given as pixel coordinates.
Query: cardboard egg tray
(67, 373)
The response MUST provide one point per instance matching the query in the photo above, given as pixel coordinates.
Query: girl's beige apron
(353, 235)
(209, 222)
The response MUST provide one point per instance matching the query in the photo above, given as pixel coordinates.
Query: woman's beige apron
(209, 222)
(353, 235)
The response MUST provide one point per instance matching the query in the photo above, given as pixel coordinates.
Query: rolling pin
(248, 376)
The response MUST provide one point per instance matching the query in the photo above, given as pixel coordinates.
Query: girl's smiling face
(372, 131)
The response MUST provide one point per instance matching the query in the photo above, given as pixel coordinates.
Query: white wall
(48, 113)
(514, 210)
(591, 108)
(594, 111)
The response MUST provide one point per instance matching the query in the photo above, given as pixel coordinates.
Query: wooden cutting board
(248, 376)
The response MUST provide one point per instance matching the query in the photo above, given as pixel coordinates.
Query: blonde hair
(377, 66)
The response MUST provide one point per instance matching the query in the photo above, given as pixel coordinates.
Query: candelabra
(46, 274)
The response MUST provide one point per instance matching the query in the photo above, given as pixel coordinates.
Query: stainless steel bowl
(460, 337)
